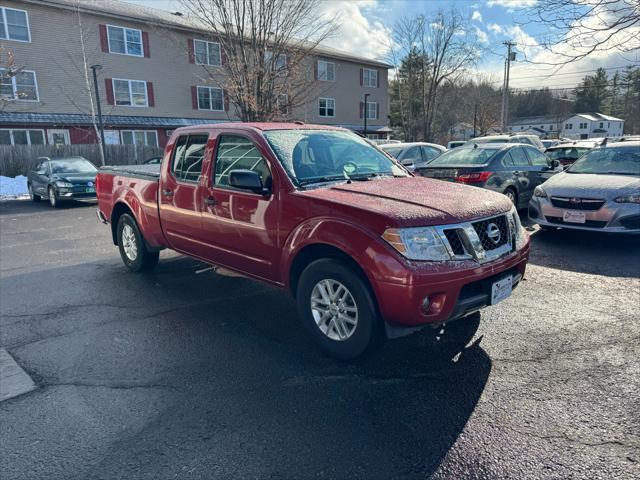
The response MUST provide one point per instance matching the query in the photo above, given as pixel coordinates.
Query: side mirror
(407, 163)
(554, 164)
(247, 180)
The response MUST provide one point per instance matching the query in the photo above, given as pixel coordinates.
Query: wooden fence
(19, 159)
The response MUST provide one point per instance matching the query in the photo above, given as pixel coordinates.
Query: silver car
(599, 192)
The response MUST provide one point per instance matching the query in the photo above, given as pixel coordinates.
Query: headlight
(64, 184)
(420, 243)
(539, 192)
(628, 199)
(521, 233)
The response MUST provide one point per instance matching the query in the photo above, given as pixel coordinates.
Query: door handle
(210, 201)
(167, 193)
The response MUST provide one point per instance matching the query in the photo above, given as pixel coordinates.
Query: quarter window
(188, 156)
(18, 86)
(207, 53)
(369, 77)
(210, 98)
(126, 41)
(326, 107)
(21, 137)
(326, 71)
(140, 137)
(15, 25)
(130, 93)
(239, 153)
(537, 157)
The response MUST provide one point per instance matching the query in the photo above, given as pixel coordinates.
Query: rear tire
(133, 249)
(337, 308)
(33, 196)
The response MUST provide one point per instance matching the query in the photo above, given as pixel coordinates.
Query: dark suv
(512, 169)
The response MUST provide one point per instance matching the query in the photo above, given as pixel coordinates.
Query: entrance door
(58, 137)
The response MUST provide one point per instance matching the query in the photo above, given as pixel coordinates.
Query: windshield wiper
(332, 178)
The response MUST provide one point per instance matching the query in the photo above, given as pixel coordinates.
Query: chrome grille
(484, 228)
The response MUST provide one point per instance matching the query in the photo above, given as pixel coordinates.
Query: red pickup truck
(367, 250)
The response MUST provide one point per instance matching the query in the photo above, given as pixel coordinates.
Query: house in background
(575, 127)
(542, 126)
(152, 66)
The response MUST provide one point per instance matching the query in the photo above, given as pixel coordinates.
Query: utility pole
(511, 56)
(475, 117)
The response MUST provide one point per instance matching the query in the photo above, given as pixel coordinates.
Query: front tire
(512, 195)
(133, 249)
(53, 198)
(337, 308)
(34, 198)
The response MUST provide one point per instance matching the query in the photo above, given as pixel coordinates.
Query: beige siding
(55, 55)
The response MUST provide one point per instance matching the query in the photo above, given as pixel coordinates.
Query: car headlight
(516, 226)
(539, 192)
(63, 184)
(419, 243)
(627, 199)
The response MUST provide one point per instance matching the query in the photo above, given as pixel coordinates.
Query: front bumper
(459, 287)
(612, 217)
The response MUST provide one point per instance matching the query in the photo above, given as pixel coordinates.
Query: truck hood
(415, 201)
(591, 186)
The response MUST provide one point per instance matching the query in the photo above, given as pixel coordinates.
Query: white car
(599, 192)
(414, 154)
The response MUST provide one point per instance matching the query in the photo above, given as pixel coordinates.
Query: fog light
(426, 303)
(433, 304)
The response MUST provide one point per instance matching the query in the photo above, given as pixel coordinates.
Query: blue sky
(367, 25)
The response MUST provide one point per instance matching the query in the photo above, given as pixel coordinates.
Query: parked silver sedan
(599, 192)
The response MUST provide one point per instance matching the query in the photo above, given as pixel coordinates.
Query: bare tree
(8, 70)
(578, 29)
(267, 48)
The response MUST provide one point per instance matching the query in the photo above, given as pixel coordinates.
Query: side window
(537, 158)
(42, 168)
(239, 153)
(412, 154)
(519, 157)
(429, 154)
(187, 157)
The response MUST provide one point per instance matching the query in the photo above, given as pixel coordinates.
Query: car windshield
(566, 153)
(314, 156)
(464, 156)
(72, 165)
(394, 151)
(618, 160)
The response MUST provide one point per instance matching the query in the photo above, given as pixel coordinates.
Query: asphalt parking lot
(185, 373)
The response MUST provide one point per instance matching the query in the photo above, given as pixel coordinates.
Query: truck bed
(147, 172)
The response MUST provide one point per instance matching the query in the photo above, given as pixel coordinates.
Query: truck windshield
(315, 156)
(465, 156)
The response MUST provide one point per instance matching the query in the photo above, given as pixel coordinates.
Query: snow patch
(13, 187)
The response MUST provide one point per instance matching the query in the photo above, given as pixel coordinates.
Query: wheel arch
(119, 209)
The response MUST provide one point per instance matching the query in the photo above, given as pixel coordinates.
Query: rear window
(465, 156)
(395, 151)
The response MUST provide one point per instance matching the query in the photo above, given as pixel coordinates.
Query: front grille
(587, 223)
(453, 237)
(484, 227)
(590, 204)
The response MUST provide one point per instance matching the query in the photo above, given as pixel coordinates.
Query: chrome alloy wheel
(129, 243)
(334, 309)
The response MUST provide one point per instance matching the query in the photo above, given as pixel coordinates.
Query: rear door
(517, 168)
(411, 157)
(180, 189)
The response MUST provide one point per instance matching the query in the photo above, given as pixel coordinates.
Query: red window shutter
(361, 76)
(361, 109)
(226, 101)
(104, 41)
(108, 83)
(315, 69)
(150, 98)
(191, 50)
(377, 111)
(145, 44)
(194, 97)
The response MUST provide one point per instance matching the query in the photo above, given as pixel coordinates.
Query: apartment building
(153, 76)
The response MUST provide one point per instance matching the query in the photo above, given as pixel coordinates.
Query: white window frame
(115, 100)
(6, 28)
(126, 48)
(326, 64)
(210, 103)
(64, 131)
(208, 46)
(268, 55)
(326, 108)
(15, 89)
(133, 135)
(366, 81)
(28, 130)
(367, 110)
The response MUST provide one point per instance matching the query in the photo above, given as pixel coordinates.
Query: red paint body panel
(261, 235)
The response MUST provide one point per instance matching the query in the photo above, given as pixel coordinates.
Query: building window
(18, 86)
(280, 63)
(550, 127)
(207, 53)
(326, 71)
(140, 137)
(601, 124)
(21, 137)
(326, 107)
(126, 41)
(210, 98)
(568, 126)
(372, 110)
(369, 77)
(15, 25)
(130, 93)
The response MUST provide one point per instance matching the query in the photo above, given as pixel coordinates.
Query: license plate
(571, 216)
(501, 289)
(91, 190)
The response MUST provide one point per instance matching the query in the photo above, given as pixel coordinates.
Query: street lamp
(95, 68)
(364, 113)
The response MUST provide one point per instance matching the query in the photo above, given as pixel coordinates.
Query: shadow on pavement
(13, 207)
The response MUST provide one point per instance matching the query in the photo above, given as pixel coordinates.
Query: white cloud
(495, 28)
(483, 37)
(525, 43)
(476, 16)
(512, 5)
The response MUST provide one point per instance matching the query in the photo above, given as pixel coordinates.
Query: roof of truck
(261, 126)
